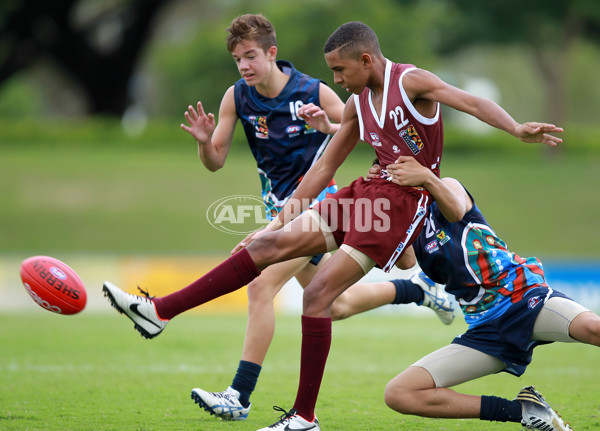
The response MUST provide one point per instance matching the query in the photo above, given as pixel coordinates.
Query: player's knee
(260, 291)
(339, 310)
(593, 330)
(316, 299)
(586, 328)
(264, 250)
(397, 397)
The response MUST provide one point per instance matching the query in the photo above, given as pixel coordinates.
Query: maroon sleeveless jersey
(400, 130)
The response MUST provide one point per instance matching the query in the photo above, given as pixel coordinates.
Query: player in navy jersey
(506, 302)
(266, 101)
(357, 219)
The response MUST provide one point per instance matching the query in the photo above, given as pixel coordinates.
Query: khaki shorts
(455, 363)
(365, 262)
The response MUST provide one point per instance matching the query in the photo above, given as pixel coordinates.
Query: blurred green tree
(198, 66)
(549, 31)
(97, 44)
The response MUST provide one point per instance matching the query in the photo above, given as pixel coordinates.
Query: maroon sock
(316, 341)
(234, 273)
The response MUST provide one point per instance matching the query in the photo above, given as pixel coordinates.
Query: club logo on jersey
(442, 237)
(293, 130)
(375, 140)
(432, 247)
(260, 126)
(533, 302)
(412, 139)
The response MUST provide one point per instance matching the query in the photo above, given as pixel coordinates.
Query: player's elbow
(454, 216)
(454, 213)
(213, 168)
(212, 165)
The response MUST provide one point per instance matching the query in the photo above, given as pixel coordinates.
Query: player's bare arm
(449, 195)
(321, 173)
(317, 177)
(327, 117)
(214, 140)
(420, 84)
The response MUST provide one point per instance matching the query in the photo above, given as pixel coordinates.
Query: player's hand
(406, 171)
(315, 117)
(538, 132)
(246, 241)
(271, 227)
(374, 172)
(201, 125)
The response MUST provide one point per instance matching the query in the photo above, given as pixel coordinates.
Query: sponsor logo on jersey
(442, 237)
(293, 130)
(260, 126)
(412, 139)
(532, 302)
(396, 149)
(308, 129)
(431, 247)
(375, 139)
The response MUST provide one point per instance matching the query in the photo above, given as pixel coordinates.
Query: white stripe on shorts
(421, 212)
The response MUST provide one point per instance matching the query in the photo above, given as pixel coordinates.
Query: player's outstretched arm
(214, 140)
(423, 84)
(317, 177)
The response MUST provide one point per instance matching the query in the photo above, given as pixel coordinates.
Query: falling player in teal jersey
(506, 302)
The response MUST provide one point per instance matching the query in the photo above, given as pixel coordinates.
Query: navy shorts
(508, 337)
(316, 259)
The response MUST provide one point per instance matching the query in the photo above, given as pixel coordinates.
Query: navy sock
(500, 409)
(407, 292)
(245, 380)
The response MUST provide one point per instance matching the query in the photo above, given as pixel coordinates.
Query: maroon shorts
(377, 217)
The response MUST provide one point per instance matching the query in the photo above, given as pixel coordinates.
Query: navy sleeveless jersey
(284, 146)
(475, 264)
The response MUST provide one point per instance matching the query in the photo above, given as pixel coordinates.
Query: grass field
(93, 372)
(131, 200)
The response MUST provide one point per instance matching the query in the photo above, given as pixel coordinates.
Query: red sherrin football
(53, 285)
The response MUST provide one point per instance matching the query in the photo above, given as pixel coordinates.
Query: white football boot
(140, 309)
(435, 297)
(292, 421)
(225, 405)
(537, 413)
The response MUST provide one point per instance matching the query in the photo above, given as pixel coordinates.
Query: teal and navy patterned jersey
(284, 146)
(475, 264)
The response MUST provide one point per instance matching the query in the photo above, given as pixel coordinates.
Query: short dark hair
(251, 27)
(353, 39)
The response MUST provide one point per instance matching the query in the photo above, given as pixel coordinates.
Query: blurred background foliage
(92, 93)
(142, 61)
